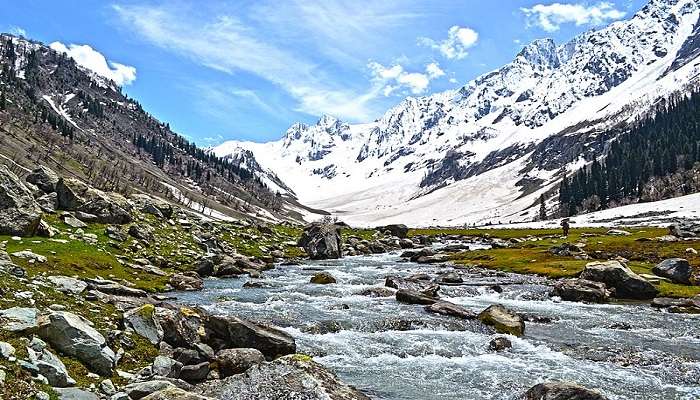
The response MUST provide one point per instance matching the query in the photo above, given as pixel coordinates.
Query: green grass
(533, 256)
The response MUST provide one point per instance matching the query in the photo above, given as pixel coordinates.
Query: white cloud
(390, 79)
(89, 58)
(227, 44)
(459, 40)
(551, 17)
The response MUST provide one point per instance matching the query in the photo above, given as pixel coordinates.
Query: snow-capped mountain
(486, 151)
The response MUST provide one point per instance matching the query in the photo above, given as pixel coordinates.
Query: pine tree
(3, 102)
(543, 209)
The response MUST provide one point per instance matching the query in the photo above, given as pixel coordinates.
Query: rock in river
(503, 320)
(321, 241)
(581, 290)
(229, 331)
(323, 278)
(627, 284)
(561, 391)
(450, 309)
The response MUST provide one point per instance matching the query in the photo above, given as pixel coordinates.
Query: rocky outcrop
(613, 274)
(503, 320)
(44, 178)
(232, 332)
(425, 297)
(678, 270)
(321, 241)
(561, 391)
(19, 212)
(108, 208)
(290, 377)
(74, 336)
(581, 290)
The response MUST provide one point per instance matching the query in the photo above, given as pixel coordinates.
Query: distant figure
(565, 226)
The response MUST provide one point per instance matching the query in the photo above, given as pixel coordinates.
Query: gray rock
(290, 377)
(75, 394)
(322, 241)
(30, 256)
(581, 290)
(19, 319)
(450, 309)
(74, 222)
(409, 296)
(500, 343)
(67, 284)
(44, 178)
(187, 281)
(140, 390)
(19, 212)
(174, 394)
(232, 332)
(678, 270)
(109, 208)
(48, 202)
(141, 232)
(237, 361)
(503, 320)
(195, 373)
(50, 366)
(143, 322)
(74, 336)
(377, 292)
(627, 284)
(166, 367)
(451, 277)
(561, 391)
(6, 350)
(398, 230)
(107, 387)
(322, 278)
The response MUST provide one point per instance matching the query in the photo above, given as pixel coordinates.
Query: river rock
(174, 393)
(19, 319)
(323, 278)
(74, 336)
(139, 390)
(377, 292)
(627, 284)
(187, 281)
(181, 327)
(143, 322)
(398, 230)
(409, 296)
(195, 373)
(450, 309)
(44, 178)
(290, 377)
(451, 277)
(19, 212)
(500, 343)
(581, 290)
(503, 320)
(237, 361)
(688, 305)
(678, 270)
(561, 391)
(321, 241)
(232, 332)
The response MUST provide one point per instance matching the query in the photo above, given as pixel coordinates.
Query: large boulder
(67, 284)
(561, 391)
(108, 208)
(74, 336)
(19, 212)
(182, 327)
(503, 320)
(187, 281)
(450, 309)
(152, 205)
(231, 332)
(50, 366)
(627, 284)
(290, 377)
(143, 322)
(322, 241)
(44, 178)
(237, 361)
(678, 270)
(409, 296)
(174, 393)
(398, 230)
(19, 319)
(581, 290)
(322, 278)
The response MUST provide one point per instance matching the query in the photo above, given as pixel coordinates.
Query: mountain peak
(541, 52)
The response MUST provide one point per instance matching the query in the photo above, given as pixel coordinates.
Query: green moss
(142, 355)
(301, 357)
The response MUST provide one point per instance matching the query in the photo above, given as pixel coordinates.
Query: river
(391, 350)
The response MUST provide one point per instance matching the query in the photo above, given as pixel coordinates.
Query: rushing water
(397, 351)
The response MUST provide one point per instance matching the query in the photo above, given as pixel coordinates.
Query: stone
(289, 377)
(66, 284)
(450, 309)
(19, 319)
(561, 391)
(409, 296)
(678, 270)
(30, 256)
(503, 320)
(195, 373)
(107, 387)
(174, 393)
(675, 305)
(74, 336)
(614, 274)
(44, 178)
(50, 366)
(322, 241)
(181, 327)
(618, 232)
(377, 292)
(19, 212)
(143, 322)
(500, 343)
(187, 281)
(237, 361)
(451, 277)
(48, 202)
(139, 390)
(109, 208)
(233, 332)
(75, 394)
(6, 350)
(398, 230)
(141, 232)
(323, 278)
(153, 206)
(167, 367)
(74, 222)
(115, 233)
(581, 290)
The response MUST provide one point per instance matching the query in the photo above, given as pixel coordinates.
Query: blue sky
(219, 70)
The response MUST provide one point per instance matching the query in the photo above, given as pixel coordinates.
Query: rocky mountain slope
(56, 113)
(487, 151)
